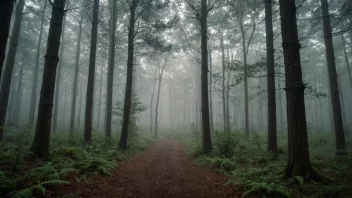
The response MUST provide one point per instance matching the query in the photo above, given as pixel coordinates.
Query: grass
(22, 175)
(250, 166)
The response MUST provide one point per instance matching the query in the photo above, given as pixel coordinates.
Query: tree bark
(129, 79)
(151, 103)
(75, 78)
(334, 89)
(207, 145)
(110, 74)
(211, 92)
(298, 162)
(40, 145)
(6, 8)
(10, 63)
(88, 117)
(270, 66)
(36, 71)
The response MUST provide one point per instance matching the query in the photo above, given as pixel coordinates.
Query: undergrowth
(257, 171)
(22, 175)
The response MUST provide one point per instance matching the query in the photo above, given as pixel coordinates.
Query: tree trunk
(334, 90)
(19, 94)
(298, 162)
(88, 117)
(158, 98)
(36, 71)
(75, 78)
(100, 94)
(110, 74)
(129, 78)
(207, 145)
(10, 63)
(170, 104)
(211, 92)
(343, 109)
(151, 103)
(40, 145)
(223, 81)
(6, 8)
(58, 78)
(270, 66)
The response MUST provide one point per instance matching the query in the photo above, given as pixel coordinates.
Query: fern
(265, 188)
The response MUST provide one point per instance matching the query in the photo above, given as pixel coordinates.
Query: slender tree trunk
(6, 8)
(36, 71)
(151, 103)
(19, 93)
(10, 63)
(298, 162)
(343, 109)
(207, 145)
(223, 81)
(110, 74)
(270, 66)
(88, 118)
(129, 79)
(75, 78)
(40, 145)
(100, 94)
(158, 98)
(211, 91)
(170, 104)
(335, 96)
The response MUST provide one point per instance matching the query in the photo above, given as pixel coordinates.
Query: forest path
(164, 170)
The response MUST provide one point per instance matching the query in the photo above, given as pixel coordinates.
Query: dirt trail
(163, 170)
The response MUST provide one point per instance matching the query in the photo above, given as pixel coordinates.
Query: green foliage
(69, 156)
(265, 188)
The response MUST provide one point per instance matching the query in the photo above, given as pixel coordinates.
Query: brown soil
(162, 171)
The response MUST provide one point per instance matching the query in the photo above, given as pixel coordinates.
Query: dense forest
(175, 98)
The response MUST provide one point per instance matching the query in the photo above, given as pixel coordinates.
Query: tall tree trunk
(40, 145)
(110, 74)
(6, 8)
(334, 89)
(170, 104)
(88, 117)
(100, 94)
(10, 63)
(75, 78)
(151, 102)
(223, 90)
(36, 71)
(19, 94)
(207, 145)
(58, 78)
(211, 91)
(158, 98)
(270, 67)
(298, 162)
(129, 78)
(343, 109)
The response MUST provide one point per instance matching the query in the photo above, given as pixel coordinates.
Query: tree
(6, 8)
(270, 65)
(110, 80)
(10, 63)
(298, 162)
(90, 86)
(204, 10)
(36, 70)
(334, 89)
(75, 78)
(129, 78)
(160, 76)
(40, 145)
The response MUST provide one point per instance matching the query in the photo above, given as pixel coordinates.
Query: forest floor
(163, 170)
